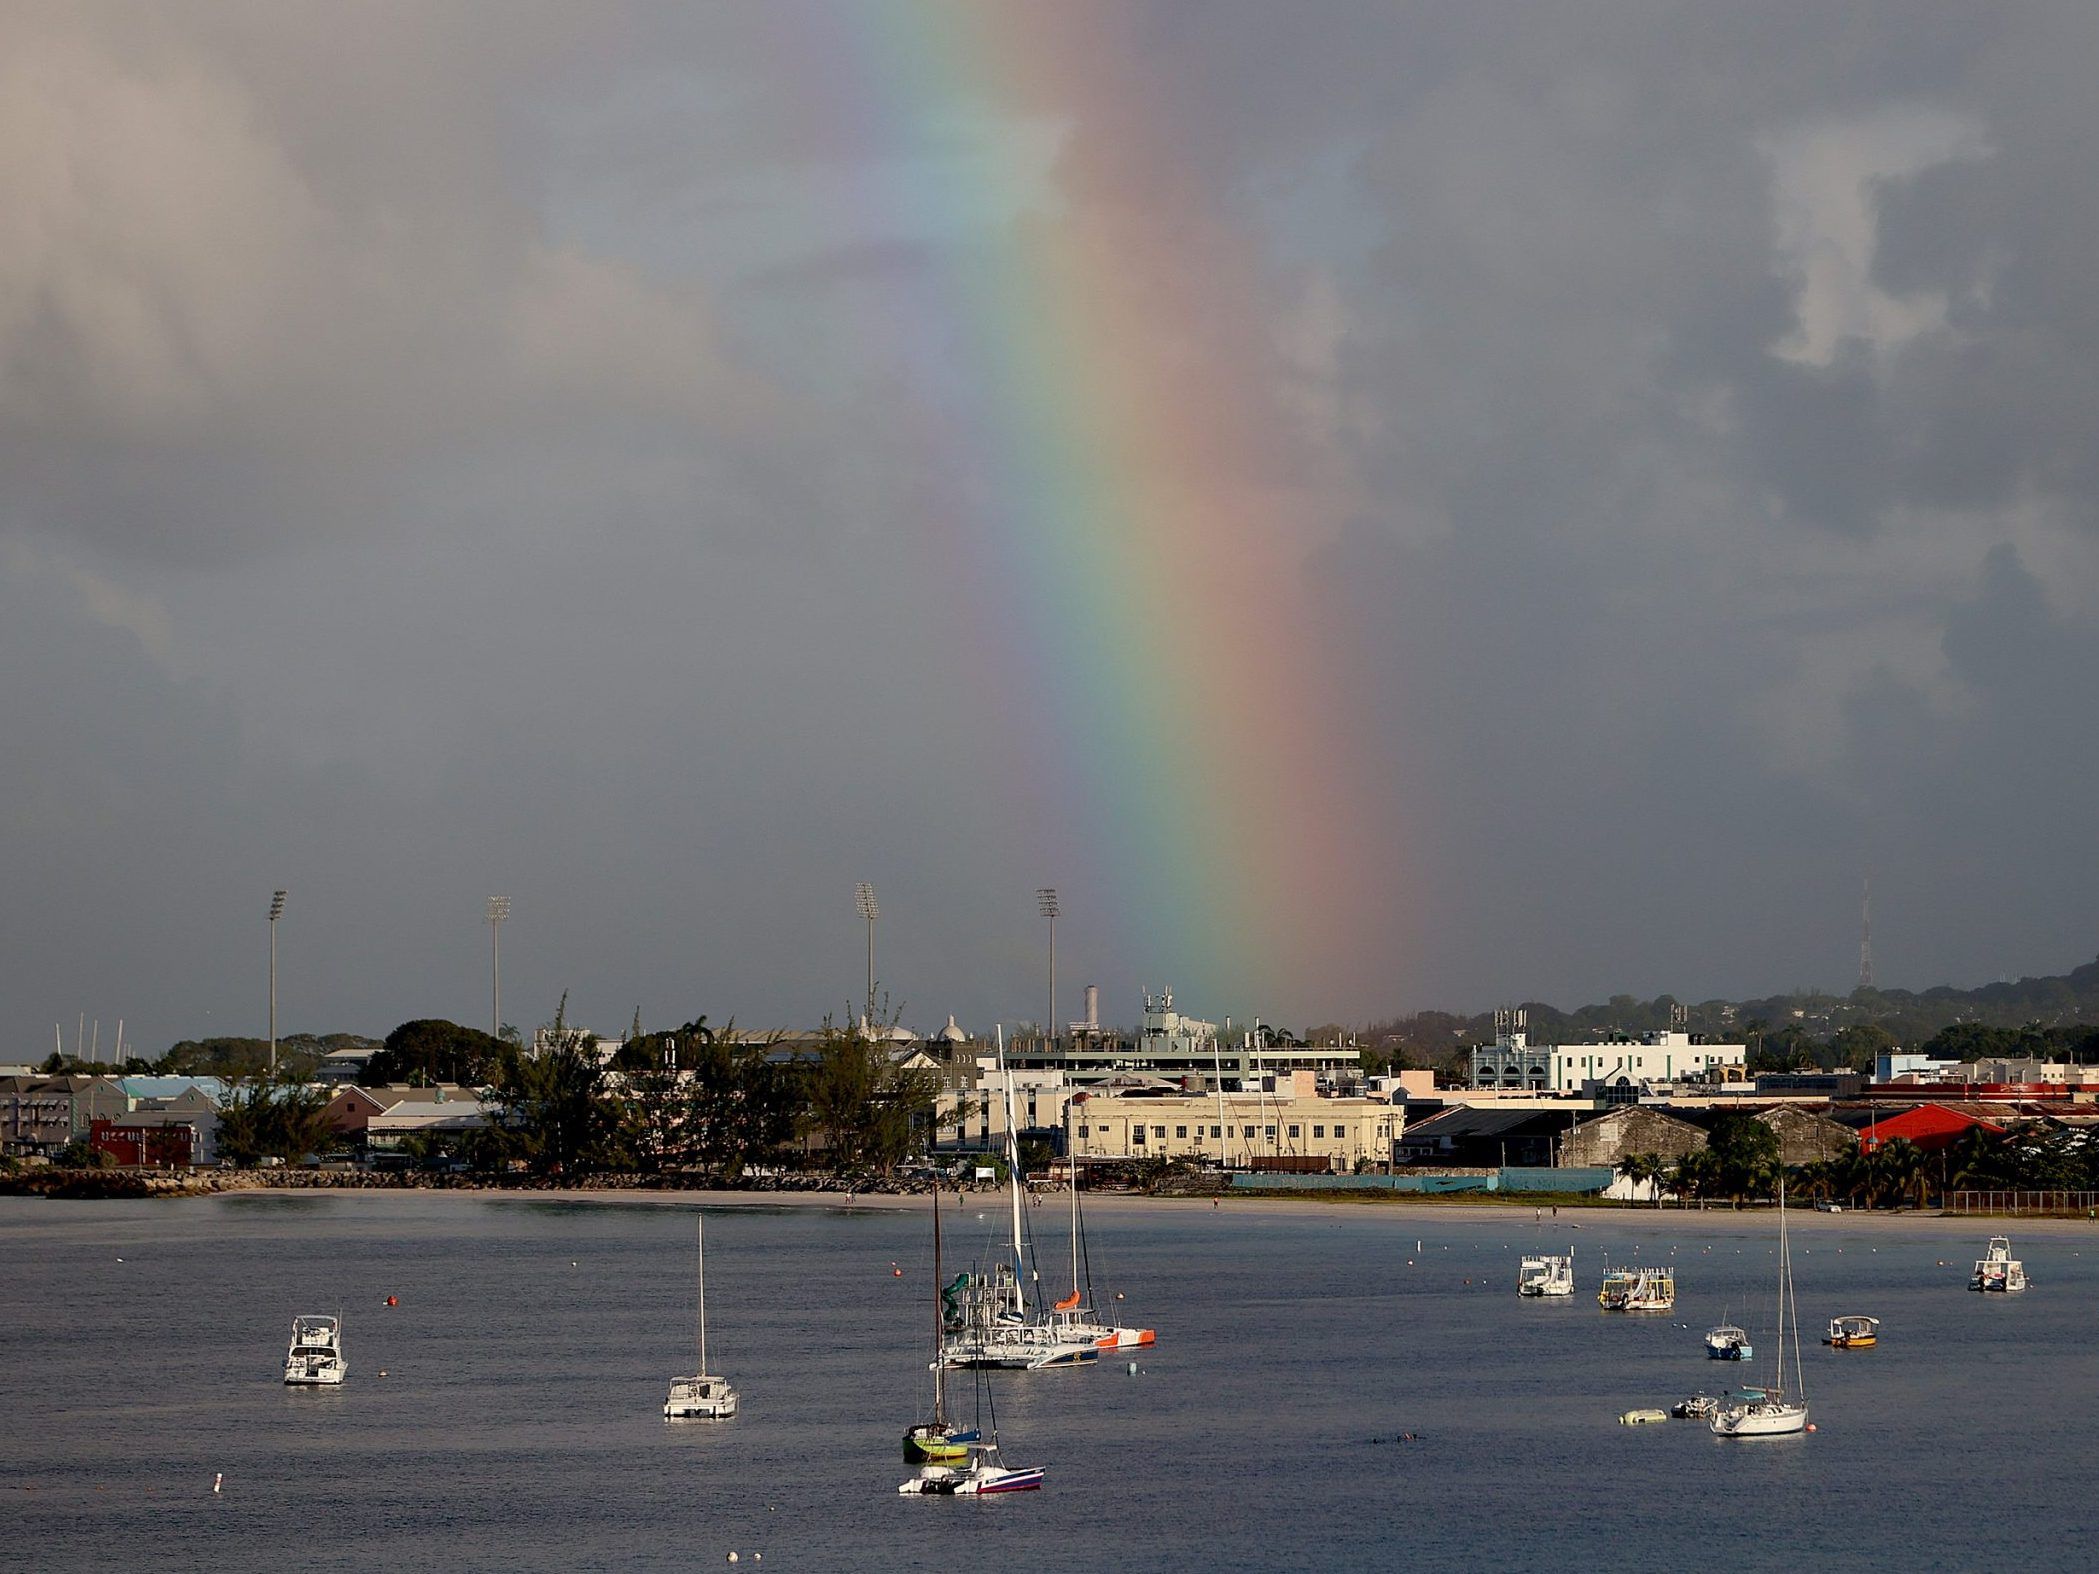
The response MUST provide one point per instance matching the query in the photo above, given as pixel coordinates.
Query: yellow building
(1234, 1129)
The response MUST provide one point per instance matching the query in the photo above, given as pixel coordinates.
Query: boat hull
(924, 1446)
(316, 1377)
(1761, 1420)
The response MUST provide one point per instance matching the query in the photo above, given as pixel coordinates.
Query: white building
(1625, 1060)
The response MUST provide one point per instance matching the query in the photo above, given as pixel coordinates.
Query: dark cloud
(487, 447)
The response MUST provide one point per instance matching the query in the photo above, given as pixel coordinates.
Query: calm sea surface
(518, 1424)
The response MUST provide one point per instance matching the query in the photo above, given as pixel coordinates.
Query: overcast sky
(449, 449)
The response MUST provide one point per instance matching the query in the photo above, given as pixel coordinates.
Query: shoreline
(1416, 1209)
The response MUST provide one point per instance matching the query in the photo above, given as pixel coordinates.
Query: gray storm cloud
(451, 449)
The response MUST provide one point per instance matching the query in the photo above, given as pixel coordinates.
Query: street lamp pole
(869, 911)
(276, 912)
(498, 910)
(1046, 904)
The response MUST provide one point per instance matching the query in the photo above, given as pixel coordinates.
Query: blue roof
(213, 1088)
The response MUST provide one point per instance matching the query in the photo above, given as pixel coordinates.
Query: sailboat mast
(1783, 1248)
(702, 1226)
(939, 1329)
(1074, 1226)
(1020, 1261)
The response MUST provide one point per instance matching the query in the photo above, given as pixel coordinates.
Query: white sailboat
(704, 1396)
(1778, 1412)
(997, 1330)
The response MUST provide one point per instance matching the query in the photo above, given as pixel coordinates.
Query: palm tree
(1695, 1174)
(1639, 1169)
(1899, 1168)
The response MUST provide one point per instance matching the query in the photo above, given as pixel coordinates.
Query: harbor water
(1323, 1396)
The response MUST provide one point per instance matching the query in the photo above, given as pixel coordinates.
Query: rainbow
(1099, 402)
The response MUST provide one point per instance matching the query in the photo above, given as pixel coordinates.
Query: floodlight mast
(1046, 904)
(498, 910)
(869, 910)
(276, 912)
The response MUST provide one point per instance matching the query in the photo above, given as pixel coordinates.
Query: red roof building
(1932, 1127)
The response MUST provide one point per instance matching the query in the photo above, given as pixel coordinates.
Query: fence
(2015, 1203)
(1509, 1180)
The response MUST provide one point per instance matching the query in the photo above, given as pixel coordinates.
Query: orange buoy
(896, 1273)
(393, 1300)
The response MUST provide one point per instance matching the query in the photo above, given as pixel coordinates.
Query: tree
(1745, 1156)
(1640, 1169)
(865, 1104)
(1695, 1175)
(1898, 1170)
(284, 1120)
(552, 1105)
(431, 1050)
(1855, 1046)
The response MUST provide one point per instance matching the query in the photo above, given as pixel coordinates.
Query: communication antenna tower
(1865, 935)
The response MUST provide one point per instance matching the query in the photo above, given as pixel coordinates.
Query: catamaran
(1774, 1412)
(1073, 1317)
(315, 1359)
(703, 1396)
(982, 1472)
(991, 1326)
(1997, 1270)
(1539, 1276)
(938, 1441)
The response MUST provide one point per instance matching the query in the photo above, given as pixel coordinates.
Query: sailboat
(703, 1396)
(983, 1471)
(937, 1442)
(1774, 1413)
(995, 1329)
(1072, 1318)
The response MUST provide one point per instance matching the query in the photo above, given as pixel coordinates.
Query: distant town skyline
(1416, 509)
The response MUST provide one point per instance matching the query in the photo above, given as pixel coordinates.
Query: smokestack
(1093, 1008)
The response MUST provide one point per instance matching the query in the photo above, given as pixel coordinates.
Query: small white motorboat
(1997, 1270)
(315, 1359)
(1642, 1417)
(1728, 1343)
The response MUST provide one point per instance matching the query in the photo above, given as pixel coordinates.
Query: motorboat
(704, 1396)
(1773, 1411)
(1728, 1343)
(1543, 1276)
(1642, 1417)
(1853, 1333)
(1698, 1407)
(985, 1473)
(315, 1358)
(1637, 1290)
(1997, 1271)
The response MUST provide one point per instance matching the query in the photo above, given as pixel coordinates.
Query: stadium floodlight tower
(865, 897)
(498, 910)
(276, 912)
(1046, 904)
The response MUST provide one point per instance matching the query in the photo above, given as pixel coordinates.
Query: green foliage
(1640, 1168)
(284, 1120)
(430, 1051)
(552, 1106)
(869, 1110)
(1854, 1046)
(1745, 1156)
(80, 1154)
